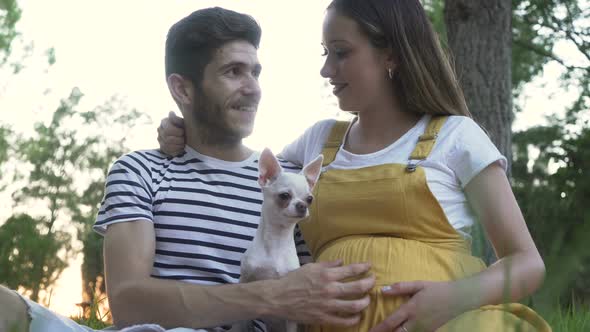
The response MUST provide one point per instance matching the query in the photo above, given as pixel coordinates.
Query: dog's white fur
(286, 200)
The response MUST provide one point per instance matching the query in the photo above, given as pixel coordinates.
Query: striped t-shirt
(205, 211)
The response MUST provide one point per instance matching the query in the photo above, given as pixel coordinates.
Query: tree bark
(480, 38)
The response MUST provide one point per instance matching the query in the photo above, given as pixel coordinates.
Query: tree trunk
(480, 38)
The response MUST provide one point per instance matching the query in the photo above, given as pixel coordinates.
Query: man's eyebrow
(228, 65)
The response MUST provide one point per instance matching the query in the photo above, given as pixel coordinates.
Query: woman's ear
(390, 60)
(181, 89)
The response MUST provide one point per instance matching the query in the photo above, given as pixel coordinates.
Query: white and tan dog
(286, 201)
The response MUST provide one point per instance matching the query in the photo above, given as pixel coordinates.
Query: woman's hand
(430, 306)
(171, 135)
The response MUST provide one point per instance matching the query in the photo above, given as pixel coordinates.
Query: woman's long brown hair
(424, 79)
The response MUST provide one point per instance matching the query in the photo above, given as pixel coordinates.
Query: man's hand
(171, 135)
(317, 293)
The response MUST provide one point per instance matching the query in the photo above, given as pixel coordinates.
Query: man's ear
(181, 89)
(268, 168)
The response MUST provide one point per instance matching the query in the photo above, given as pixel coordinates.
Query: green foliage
(63, 167)
(50, 53)
(435, 9)
(555, 203)
(29, 254)
(102, 152)
(10, 13)
(538, 26)
(529, 42)
(4, 145)
(53, 153)
(5, 135)
(553, 187)
(67, 160)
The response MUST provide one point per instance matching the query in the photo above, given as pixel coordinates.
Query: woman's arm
(518, 272)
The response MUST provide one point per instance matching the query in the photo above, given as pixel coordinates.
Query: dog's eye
(284, 196)
(309, 199)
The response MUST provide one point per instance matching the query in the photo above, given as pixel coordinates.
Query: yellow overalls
(386, 215)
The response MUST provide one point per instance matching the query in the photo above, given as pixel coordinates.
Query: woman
(406, 179)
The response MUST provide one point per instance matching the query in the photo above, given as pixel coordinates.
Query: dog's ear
(268, 168)
(312, 170)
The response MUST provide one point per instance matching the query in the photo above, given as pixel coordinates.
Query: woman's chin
(347, 106)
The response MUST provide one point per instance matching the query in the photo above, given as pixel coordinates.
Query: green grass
(94, 319)
(92, 323)
(574, 319)
(570, 320)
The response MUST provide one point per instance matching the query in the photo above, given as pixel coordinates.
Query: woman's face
(356, 70)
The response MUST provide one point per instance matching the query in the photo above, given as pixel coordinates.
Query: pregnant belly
(396, 259)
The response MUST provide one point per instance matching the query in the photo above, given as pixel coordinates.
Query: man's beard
(211, 123)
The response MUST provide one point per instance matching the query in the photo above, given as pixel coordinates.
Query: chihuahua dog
(286, 201)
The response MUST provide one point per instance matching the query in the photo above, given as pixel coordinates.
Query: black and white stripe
(205, 211)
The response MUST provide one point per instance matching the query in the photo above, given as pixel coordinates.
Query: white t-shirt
(461, 151)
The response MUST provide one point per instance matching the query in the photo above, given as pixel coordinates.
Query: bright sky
(117, 47)
(113, 47)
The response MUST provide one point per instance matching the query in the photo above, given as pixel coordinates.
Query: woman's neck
(378, 128)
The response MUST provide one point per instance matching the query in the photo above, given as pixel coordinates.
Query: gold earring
(390, 73)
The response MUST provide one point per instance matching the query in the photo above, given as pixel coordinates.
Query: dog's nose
(301, 208)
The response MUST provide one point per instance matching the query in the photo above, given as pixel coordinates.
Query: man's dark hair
(192, 41)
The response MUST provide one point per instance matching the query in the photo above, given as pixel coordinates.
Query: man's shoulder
(142, 162)
(148, 156)
(154, 157)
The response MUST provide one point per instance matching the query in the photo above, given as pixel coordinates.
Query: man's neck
(223, 148)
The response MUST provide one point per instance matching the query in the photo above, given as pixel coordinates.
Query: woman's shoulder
(468, 148)
(460, 133)
(320, 130)
(309, 143)
(459, 121)
(323, 125)
(459, 128)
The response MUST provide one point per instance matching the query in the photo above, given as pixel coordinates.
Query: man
(175, 228)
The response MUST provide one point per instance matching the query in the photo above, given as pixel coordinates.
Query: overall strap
(334, 141)
(426, 141)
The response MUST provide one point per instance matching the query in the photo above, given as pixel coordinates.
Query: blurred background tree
(60, 178)
(9, 15)
(479, 37)
(549, 162)
(29, 257)
(550, 176)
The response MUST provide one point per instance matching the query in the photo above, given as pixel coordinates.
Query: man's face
(227, 101)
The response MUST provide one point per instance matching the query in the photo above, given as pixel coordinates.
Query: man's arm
(311, 294)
